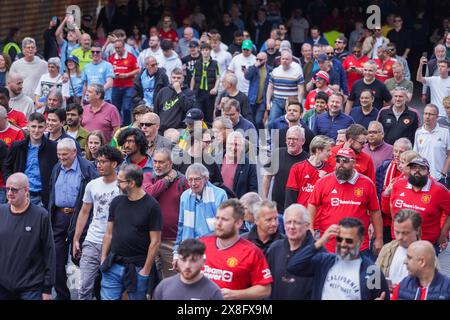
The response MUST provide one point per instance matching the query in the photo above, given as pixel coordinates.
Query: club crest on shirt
(426, 198)
(358, 192)
(406, 121)
(232, 262)
(420, 140)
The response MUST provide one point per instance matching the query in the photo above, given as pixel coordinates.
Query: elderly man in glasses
(346, 193)
(346, 275)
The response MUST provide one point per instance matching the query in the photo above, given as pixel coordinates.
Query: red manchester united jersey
(11, 134)
(432, 201)
(336, 201)
(239, 267)
(302, 178)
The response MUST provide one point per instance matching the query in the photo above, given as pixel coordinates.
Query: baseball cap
(247, 44)
(323, 75)
(321, 57)
(73, 58)
(192, 115)
(346, 153)
(420, 162)
(193, 44)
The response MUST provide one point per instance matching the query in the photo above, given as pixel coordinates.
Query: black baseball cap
(192, 115)
(193, 44)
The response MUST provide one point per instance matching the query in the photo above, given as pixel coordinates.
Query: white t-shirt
(398, 271)
(342, 281)
(223, 58)
(46, 83)
(433, 146)
(439, 89)
(238, 65)
(100, 194)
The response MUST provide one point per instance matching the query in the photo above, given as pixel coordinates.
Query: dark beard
(418, 182)
(343, 174)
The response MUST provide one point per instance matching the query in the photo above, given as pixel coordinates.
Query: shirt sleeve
(115, 118)
(112, 209)
(109, 71)
(260, 272)
(373, 204)
(155, 218)
(88, 193)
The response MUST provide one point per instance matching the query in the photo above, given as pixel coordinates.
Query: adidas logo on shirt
(307, 176)
(334, 191)
(402, 194)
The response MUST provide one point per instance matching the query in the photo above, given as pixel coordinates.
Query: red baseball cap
(346, 153)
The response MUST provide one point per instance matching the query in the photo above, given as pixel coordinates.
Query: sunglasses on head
(347, 240)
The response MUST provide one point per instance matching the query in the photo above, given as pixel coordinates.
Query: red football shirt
(11, 134)
(351, 61)
(336, 201)
(17, 118)
(123, 65)
(302, 178)
(239, 267)
(311, 98)
(384, 70)
(363, 163)
(432, 201)
(169, 35)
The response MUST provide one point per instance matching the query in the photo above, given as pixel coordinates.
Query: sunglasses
(147, 124)
(347, 240)
(13, 190)
(357, 51)
(343, 160)
(95, 52)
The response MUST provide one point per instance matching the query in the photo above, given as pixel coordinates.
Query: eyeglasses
(245, 49)
(13, 190)
(343, 160)
(130, 141)
(418, 168)
(339, 41)
(207, 141)
(196, 179)
(95, 52)
(121, 181)
(347, 240)
(152, 65)
(361, 142)
(373, 132)
(357, 51)
(330, 53)
(102, 162)
(147, 124)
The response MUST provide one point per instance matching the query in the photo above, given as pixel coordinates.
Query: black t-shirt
(379, 91)
(243, 103)
(133, 220)
(285, 163)
(189, 61)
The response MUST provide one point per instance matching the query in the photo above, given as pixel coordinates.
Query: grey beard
(351, 255)
(344, 174)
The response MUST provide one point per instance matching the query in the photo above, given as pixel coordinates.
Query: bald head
(150, 117)
(423, 250)
(261, 57)
(18, 180)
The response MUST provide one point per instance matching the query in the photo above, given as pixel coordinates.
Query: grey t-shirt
(174, 289)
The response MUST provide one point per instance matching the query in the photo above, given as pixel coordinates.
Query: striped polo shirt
(285, 82)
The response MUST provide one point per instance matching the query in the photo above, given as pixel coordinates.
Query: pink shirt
(106, 119)
(228, 171)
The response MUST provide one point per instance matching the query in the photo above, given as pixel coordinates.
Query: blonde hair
(408, 156)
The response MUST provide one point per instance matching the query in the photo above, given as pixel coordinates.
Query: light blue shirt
(99, 73)
(64, 55)
(148, 88)
(67, 186)
(32, 170)
(77, 83)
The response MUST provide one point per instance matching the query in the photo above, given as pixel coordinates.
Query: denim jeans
(122, 98)
(24, 295)
(37, 200)
(113, 285)
(276, 110)
(258, 110)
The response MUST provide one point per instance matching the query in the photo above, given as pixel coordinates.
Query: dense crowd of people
(252, 157)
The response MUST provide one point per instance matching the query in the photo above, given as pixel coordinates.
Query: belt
(35, 193)
(65, 210)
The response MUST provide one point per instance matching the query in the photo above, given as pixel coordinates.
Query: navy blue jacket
(252, 75)
(245, 179)
(380, 175)
(17, 159)
(329, 126)
(310, 262)
(439, 289)
(88, 173)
